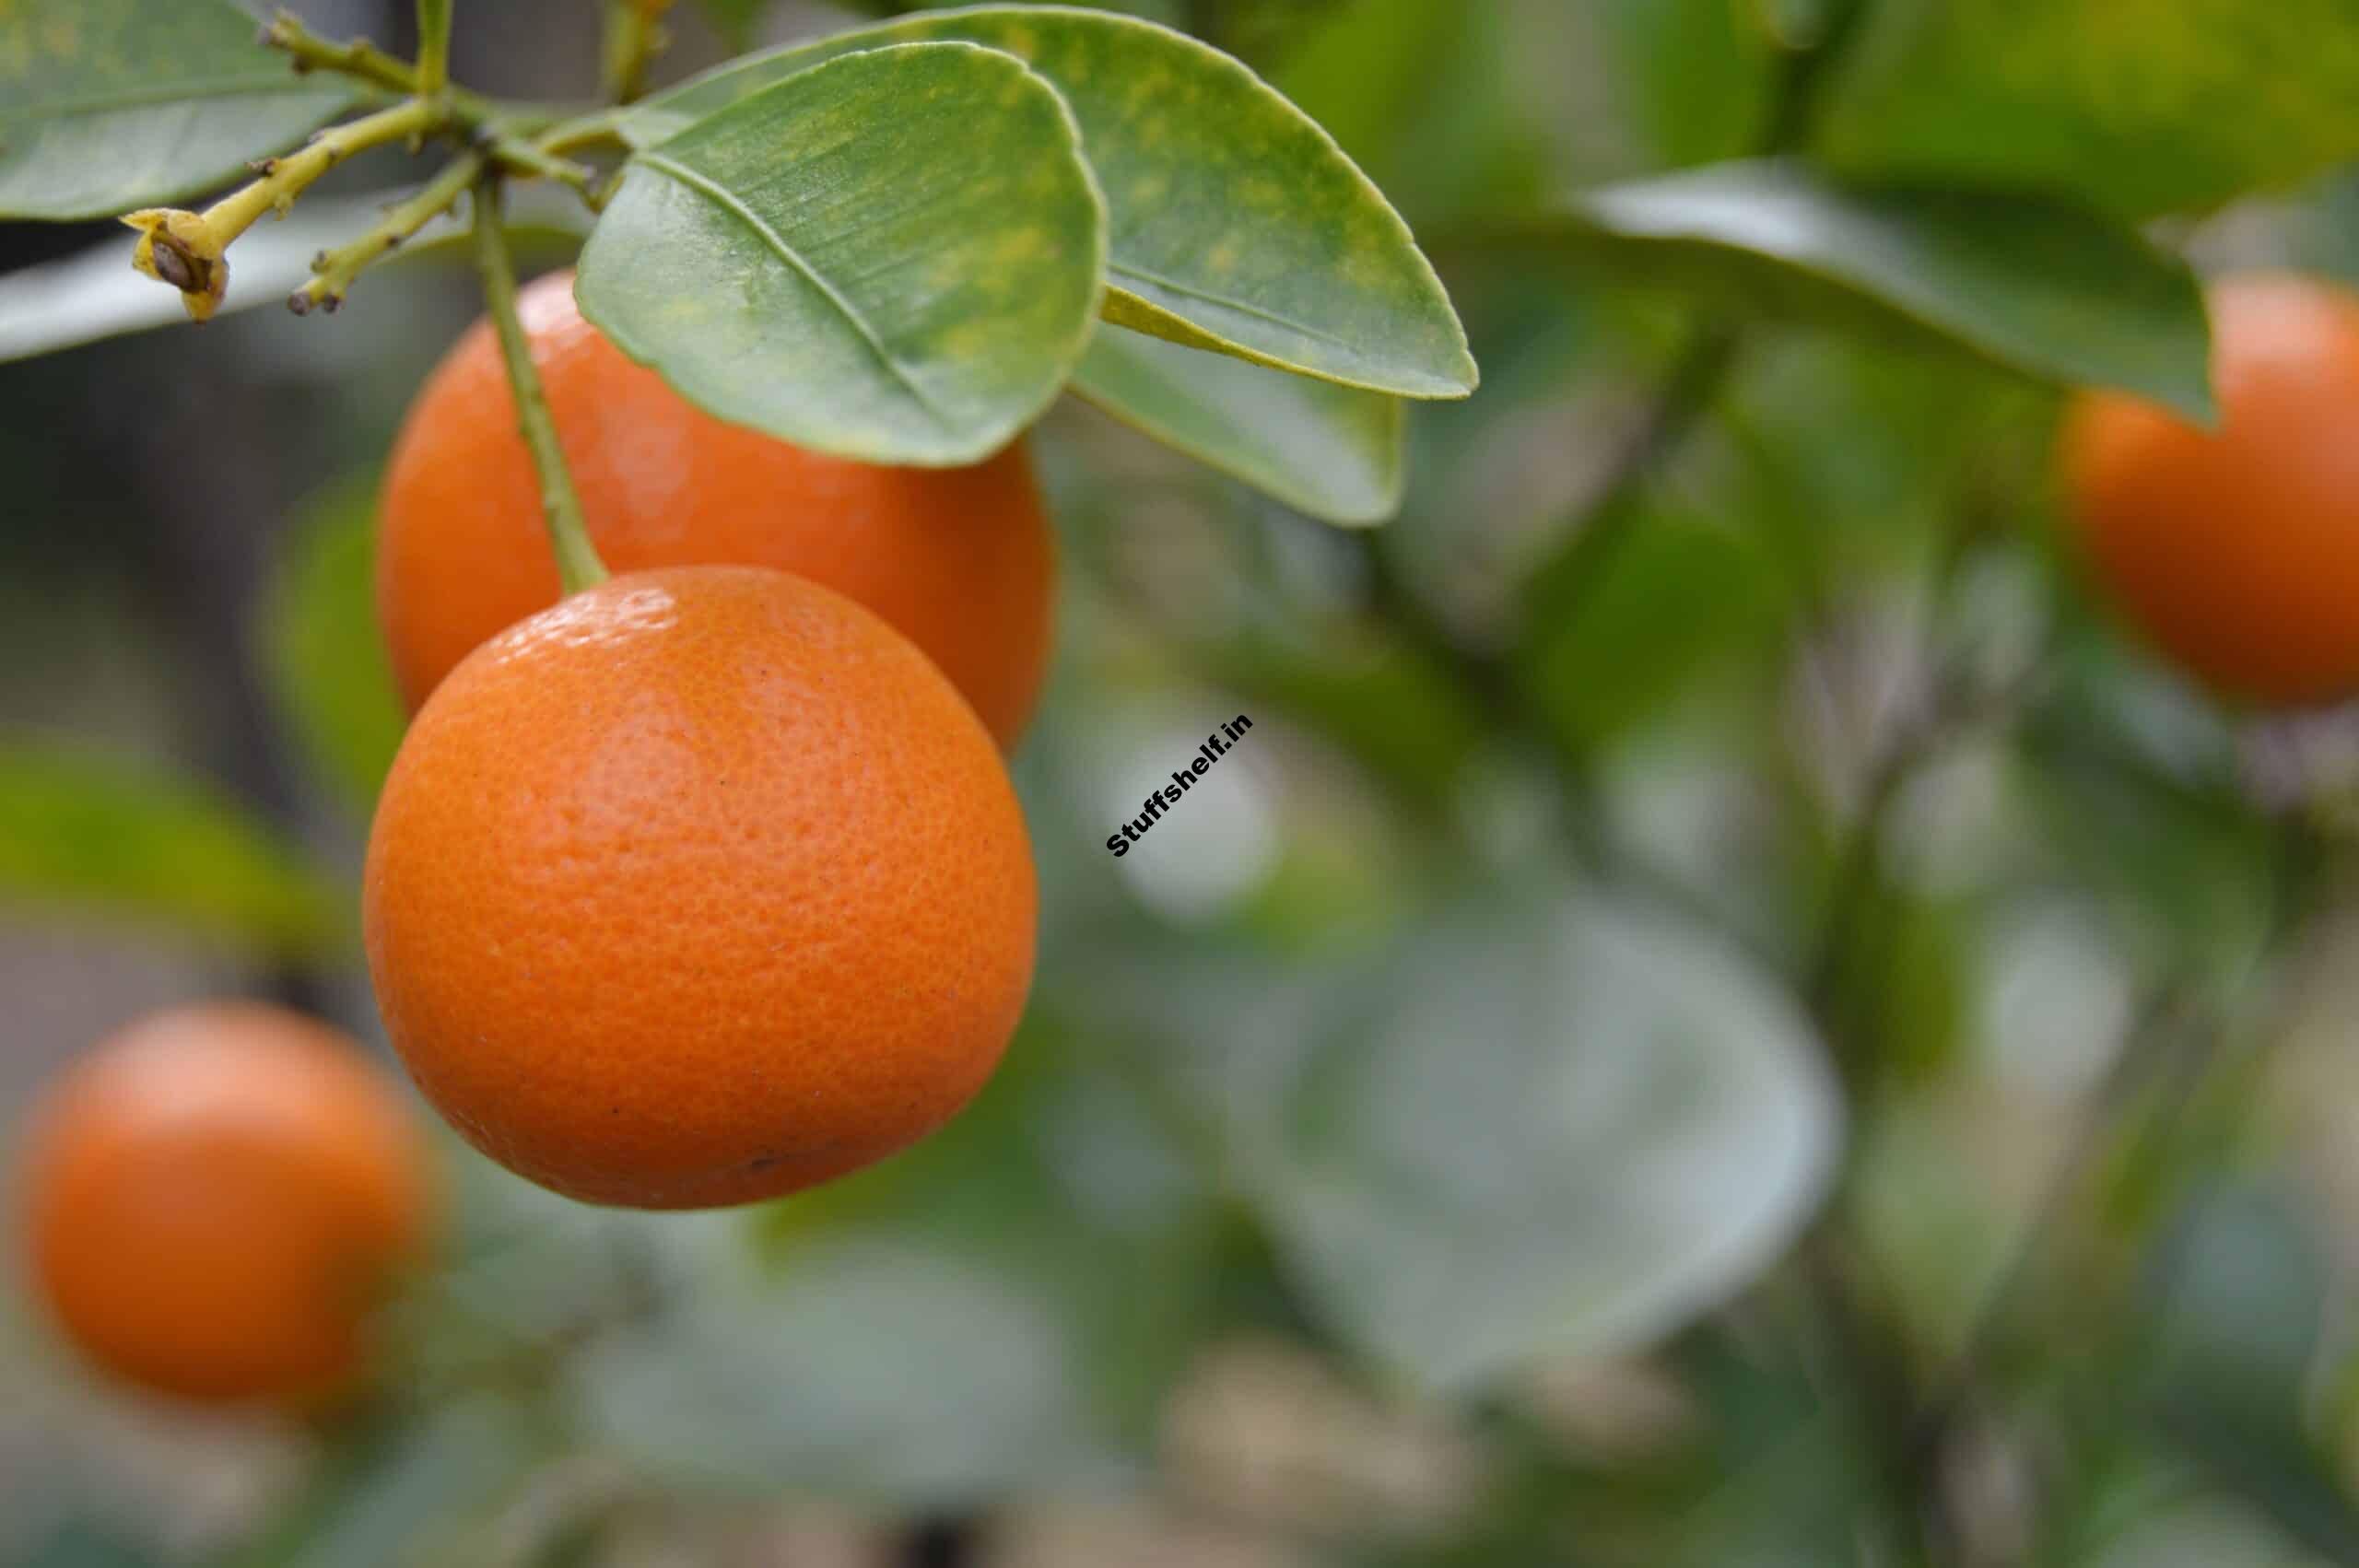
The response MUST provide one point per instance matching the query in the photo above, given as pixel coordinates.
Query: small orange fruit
(215, 1195)
(961, 560)
(2237, 553)
(703, 886)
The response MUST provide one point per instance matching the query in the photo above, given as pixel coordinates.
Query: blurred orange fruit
(703, 886)
(215, 1197)
(2237, 551)
(961, 560)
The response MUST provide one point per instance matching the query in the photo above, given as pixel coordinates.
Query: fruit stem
(433, 47)
(333, 271)
(578, 565)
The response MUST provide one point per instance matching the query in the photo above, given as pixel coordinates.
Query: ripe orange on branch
(698, 888)
(961, 560)
(2236, 551)
(212, 1198)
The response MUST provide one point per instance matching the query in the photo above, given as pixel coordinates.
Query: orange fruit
(703, 886)
(214, 1198)
(961, 560)
(2236, 551)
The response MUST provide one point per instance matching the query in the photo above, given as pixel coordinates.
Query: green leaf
(895, 256)
(1542, 1127)
(323, 657)
(2042, 286)
(1329, 453)
(110, 838)
(106, 105)
(2138, 106)
(1238, 226)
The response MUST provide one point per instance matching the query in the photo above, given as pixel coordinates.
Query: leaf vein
(720, 195)
(1241, 306)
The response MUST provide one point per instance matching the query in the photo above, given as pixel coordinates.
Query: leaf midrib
(721, 195)
(1128, 269)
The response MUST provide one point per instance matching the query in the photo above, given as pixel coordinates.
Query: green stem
(188, 250)
(433, 46)
(365, 61)
(578, 565)
(287, 178)
(516, 156)
(635, 35)
(358, 58)
(332, 275)
(1793, 112)
(596, 128)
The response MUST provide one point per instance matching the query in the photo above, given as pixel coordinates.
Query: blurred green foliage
(329, 676)
(1724, 997)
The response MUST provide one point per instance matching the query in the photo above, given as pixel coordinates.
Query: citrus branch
(578, 565)
(597, 128)
(359, 58)
(364, 62)
(516, 156)
(332, 271)
(187, 250)
(635, 35)
(433, 47)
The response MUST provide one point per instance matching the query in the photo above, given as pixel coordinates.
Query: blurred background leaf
(2034, 283)
(322, 656)
(1654, 1126)
(84, 831)
(2153, 106)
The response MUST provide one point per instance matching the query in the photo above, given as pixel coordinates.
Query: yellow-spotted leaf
(1331, 452)
(1237, 224)
(107, 105)
(896, 256)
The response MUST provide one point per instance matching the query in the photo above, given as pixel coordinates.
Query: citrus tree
(1719, 951)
